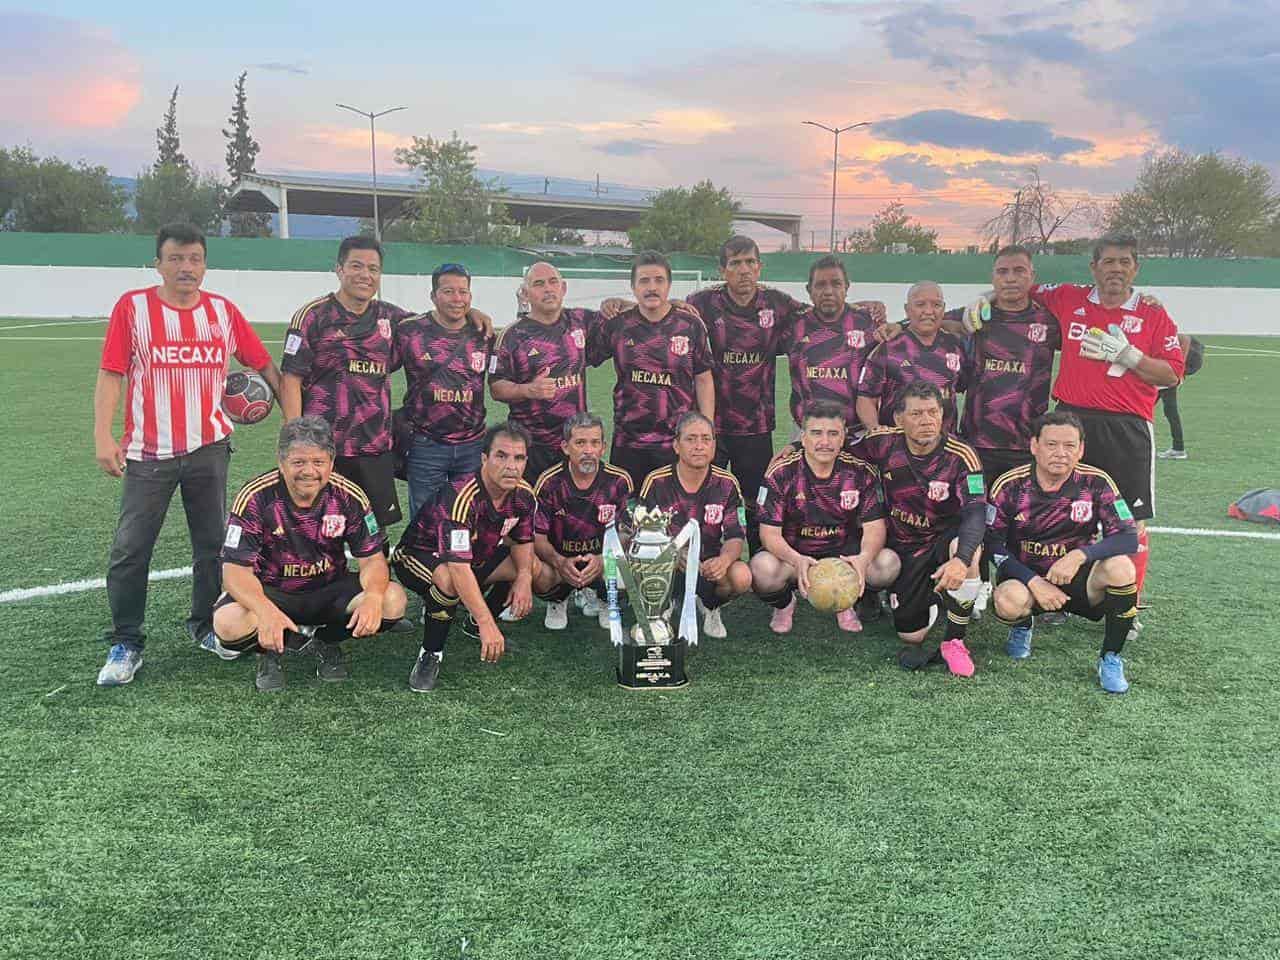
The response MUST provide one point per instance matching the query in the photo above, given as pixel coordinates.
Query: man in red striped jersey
(166, 352)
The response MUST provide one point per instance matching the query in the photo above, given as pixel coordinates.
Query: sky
(963, 98)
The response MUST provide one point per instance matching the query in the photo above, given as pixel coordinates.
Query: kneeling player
(478, 535)
(1043, 537)
(577, 499)
(284, 567)
(817, 502)
(935, 496)
(694, 489)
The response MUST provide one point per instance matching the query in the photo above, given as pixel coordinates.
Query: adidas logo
(425, 357)
(533, 351)
(1079, 311)
(278, 531)
(1021, 518)
(340, 334)
(905, 363)
(1138, 502)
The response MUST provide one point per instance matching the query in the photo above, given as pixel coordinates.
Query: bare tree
(1036, 213)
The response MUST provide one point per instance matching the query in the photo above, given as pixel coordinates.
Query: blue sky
(965, 97)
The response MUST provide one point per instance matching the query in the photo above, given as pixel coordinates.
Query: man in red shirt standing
(1118, 349)
(166, 352)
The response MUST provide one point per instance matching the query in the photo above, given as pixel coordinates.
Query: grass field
(802, 798)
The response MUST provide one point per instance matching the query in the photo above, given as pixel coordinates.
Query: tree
(696, 220)
(173, 192)
(892, 225)
(453, 204)
(242, 155)
(1036, 213)
(52, 196)
(1205, 205)
(168, 148)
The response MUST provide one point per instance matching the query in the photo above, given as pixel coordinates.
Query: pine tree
(242, 153)
(168, 149)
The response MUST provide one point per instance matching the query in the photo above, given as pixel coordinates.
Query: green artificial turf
(802, 798)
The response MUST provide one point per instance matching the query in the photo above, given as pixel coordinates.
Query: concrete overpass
(353, 197)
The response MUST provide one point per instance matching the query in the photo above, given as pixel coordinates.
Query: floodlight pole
(835, 165)
(373, 156)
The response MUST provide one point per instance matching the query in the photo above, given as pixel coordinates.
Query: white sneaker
(602, 618)
(507, 616)
(122, 663)
(579, 598)
(981, 601)
(557, 615)
(590, 604)
(713, 626)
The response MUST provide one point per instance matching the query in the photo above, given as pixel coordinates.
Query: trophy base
(660, 667)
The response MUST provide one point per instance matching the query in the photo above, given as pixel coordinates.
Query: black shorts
(912, 594)
(414, 571)
(1077, 592)
(639, 463)
(849, 548)
(1125, 447)
(540, 459)
(997, 462)
(375, 474)
(312, 608)
(746, 458)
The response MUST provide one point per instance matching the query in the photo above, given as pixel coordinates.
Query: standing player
(173, 343)
(540, 365)
(339, 354)
(924, 352)
(693, 488)
(818, 502)
(478, 535)
(577, 499)
(285, 566)
(445, 361)
(1044, 523)
(663, 364)
(936, 501)
(830, 342)
(1118, 349)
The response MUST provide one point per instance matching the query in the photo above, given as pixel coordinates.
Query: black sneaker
(332, 668)
(916, 656)
(425, 672)
(270, 678)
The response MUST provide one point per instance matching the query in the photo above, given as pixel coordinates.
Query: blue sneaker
(1111, 673)
(1018, 645)
(122, 663)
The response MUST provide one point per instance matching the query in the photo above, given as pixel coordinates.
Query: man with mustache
(578, 498)
(172, 343)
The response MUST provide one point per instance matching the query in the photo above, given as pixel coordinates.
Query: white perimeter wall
(272, 296)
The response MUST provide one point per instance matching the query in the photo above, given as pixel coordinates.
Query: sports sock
(1141, 558)
(495, 597)
(959, 606)
(1026, 621)
(1120, 605)
(778, 599)
(247, 642)
(439, 608)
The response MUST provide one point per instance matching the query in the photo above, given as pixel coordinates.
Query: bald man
(925, 352)
(540, 368)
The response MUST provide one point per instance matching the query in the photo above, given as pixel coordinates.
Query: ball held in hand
(834, 585)
(247, 397)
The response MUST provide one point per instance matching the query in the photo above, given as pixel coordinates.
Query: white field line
(50, 323)
(178, 573)
(1251, 351)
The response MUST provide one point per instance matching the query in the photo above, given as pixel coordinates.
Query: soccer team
(925, 498)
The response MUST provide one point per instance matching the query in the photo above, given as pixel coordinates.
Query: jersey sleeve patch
(292, 343)
(1122, 509)
(232, 540)
(975, 482)
(460, 541)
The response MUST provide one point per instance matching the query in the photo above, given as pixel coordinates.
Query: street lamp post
(373, 151)
(835, 166)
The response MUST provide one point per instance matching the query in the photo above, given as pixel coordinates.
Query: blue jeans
(432, 464)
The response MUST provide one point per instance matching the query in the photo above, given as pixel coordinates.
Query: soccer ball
(834, 586)
(247, 397)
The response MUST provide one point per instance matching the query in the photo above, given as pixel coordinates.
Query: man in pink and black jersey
(166, 353)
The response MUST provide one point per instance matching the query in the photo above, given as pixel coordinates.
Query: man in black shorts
(1043, 522)
(284, 565)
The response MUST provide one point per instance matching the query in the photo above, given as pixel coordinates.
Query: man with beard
(577, 499)
(693, 488)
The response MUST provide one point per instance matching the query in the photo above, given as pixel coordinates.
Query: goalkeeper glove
(976, 315)
(1113, 347)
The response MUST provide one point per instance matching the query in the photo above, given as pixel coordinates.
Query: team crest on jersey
(384, 328)
(333, 525)
(766, 321)
(579, 338)
(713, 513)
(1131, 324)
(680, 346)
(1081, 511)
(953, 362)
(1037, 332)
(477, 362)
(508, 524)
(938, 490)
(605, 513)
(856, 339)
(848, 499)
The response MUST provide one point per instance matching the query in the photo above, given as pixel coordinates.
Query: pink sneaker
(848, 621)
(780, 622)
(956, 654)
